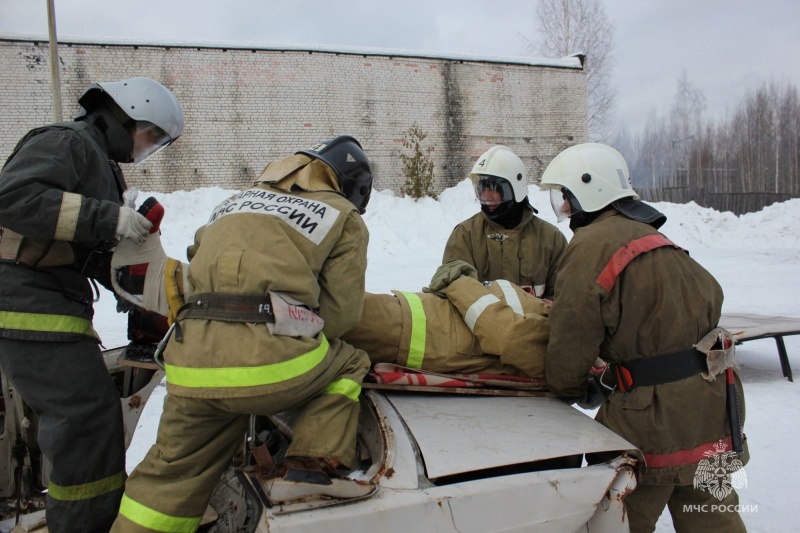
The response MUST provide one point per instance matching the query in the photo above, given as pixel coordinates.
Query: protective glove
(131, 225)
(593, 397)
(447, 274)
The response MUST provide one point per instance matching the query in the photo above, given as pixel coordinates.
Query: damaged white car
(455, 461)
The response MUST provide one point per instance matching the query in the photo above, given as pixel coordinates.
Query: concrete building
(247, 105)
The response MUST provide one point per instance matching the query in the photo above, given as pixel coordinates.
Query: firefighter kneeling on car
(627, 294)
(275, 277)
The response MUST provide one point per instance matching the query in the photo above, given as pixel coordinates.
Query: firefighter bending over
(627, 294)
(274, 278)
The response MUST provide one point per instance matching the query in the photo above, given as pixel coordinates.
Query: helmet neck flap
(508, 214)
(351, 165)
(118, 138)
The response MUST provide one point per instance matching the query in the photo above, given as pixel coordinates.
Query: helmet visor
(564, 203)
(148, 139)
(493, 191)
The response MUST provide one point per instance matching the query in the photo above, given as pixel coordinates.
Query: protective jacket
(526, 255)
(292, 235)
(621, 300)
(311, 246)
(499, 329)
(59, 201)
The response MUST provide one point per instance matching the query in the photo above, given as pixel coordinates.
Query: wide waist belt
(659, 369)
(14, 248)
(228, 307)
(219, 306)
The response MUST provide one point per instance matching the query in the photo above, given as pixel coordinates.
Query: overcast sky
(725, 46)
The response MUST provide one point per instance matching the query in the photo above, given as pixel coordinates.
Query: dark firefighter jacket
(59, 200)
(662, 301)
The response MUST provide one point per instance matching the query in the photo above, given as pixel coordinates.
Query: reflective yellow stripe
(249, 376)
(150, 518)
(419, 323)
(49, 323)
(68, 216)
(345, 387)
(87, 490)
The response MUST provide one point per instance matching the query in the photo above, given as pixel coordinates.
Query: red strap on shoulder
(626, 254)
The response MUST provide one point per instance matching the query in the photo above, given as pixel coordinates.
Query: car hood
(458, 434)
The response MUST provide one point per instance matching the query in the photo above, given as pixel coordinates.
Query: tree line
(740, 163)
(745, 161)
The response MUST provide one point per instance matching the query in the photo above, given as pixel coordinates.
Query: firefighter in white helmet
(628, 295)
(61, 214)
(506, 240)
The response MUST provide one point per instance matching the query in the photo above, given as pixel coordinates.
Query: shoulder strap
(626, 254)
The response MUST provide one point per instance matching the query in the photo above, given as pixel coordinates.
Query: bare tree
(685, 129)
(566, 27)
(688, 106)
(741, 162)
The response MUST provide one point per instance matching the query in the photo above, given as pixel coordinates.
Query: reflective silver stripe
(68, 216)
(511, 296)
(475, 310)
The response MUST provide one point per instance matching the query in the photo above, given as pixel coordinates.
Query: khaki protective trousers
(197, 438)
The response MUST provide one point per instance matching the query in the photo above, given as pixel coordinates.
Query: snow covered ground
(755, 257)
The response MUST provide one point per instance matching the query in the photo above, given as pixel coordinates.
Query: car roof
(458, 434)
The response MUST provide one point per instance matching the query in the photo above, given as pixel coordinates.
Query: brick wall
(247, 107)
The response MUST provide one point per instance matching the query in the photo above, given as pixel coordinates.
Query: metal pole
(54, 63)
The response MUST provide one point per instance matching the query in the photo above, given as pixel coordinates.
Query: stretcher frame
(749, 327)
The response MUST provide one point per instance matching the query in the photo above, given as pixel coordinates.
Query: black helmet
(345, 156)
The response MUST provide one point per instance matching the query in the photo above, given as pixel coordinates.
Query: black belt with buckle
(658, 370)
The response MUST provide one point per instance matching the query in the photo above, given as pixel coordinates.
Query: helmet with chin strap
(351, 165)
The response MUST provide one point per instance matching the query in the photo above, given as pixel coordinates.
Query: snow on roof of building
(574, 61)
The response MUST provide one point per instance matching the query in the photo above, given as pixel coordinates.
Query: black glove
(447, 274)
(593, 397)
(97, 266)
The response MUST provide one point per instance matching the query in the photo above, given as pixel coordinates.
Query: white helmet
(500, 162)
(594, 175)
(156, 111)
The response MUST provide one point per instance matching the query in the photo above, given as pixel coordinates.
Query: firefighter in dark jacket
(628, 295)
(506, 240)
(61, 196)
